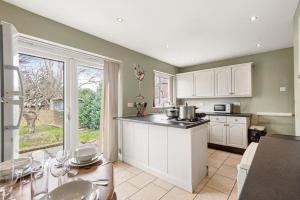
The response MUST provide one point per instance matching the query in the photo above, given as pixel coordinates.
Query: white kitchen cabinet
(128, 140)
(185, 85)
(176, 155)
(141, 144)
(241, 76)
(204, 83)
(229, 131)
(217, 133)
(158, 148)
(237, 135)
(223, 82)
(228, 81)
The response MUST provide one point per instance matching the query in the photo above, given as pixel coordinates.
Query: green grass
(47, 135)
(89, 136)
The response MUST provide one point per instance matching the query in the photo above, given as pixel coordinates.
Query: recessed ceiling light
(120, 19)
(253, 18)
(258, 45)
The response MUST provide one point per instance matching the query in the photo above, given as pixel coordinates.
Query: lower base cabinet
(176, 155)
(231, 132)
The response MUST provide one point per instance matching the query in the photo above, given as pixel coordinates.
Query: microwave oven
(223, 108)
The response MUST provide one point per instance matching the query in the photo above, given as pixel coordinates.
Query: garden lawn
(46, 135)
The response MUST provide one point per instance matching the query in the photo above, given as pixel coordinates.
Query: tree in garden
(42, 81)
(90, 108)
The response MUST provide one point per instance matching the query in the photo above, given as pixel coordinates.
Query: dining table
(100, 170)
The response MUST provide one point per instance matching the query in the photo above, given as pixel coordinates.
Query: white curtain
(109, 137)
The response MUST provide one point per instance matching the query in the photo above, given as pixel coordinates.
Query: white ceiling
(195, 31)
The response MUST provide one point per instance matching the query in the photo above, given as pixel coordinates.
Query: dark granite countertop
(275, 170)
(161, 120)
(229, 114)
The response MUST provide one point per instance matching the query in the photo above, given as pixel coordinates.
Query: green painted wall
(297, 69)
(38, 26)
(271, 70)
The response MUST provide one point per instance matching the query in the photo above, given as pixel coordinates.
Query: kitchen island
(172, 150)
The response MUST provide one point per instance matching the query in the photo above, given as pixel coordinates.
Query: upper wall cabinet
(229, 81)
(223, 82)
(185, 85)
(241, 80)
(204, 83)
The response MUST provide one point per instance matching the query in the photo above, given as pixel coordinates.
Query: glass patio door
(43, 119)
(89, 82)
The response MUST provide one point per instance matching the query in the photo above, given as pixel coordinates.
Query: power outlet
(282, 89)
(130, 105)
(237, 103)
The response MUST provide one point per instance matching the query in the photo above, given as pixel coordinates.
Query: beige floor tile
(227, 171)
(120, 164)
(122, 176)
(178, 194)
(202, 184)
(231, 162)
(141, 180)
(233, 195)
(134, 170)
(150, 192)
(165, 185)
(235, 156)
(211, 194)
(221, 183)
(125, 190)
(214, 162)
(211, 171)
(220, 155)
(210, 151)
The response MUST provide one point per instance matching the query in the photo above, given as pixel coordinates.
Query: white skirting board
(273, 114)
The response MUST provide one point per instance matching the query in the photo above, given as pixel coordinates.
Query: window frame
(71, 58)
(171, 88)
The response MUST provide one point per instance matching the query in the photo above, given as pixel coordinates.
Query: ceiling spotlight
(119, 19)
(253, 18)
(167, 46)
(258, 45)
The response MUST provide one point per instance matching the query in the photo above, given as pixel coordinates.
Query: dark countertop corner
(162, 120)
(230, 114)
(275, 171)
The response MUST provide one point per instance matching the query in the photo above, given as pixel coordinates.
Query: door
(43, 120)
(204, 83)
(223, 81)
(241, 80)
(158, 147)
(217, 133)
(89, 78)
(141, 144)
(128, 141)
(237, 135)
(185, 85)
(11, 96)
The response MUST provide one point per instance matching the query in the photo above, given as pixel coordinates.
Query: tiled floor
(134, 184)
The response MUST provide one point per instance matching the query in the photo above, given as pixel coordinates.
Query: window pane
(162, 87)
(90, 81)
(42, 123)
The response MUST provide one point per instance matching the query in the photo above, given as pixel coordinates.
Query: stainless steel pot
(172, 112)
(187, 112)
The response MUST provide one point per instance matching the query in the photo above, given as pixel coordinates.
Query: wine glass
(8, 177)
(23, 166)
(58, 169)
(62, 156)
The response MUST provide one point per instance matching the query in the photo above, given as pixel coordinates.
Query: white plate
(85, 153)
(75, 190)
(74, 164)
(19, 163)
